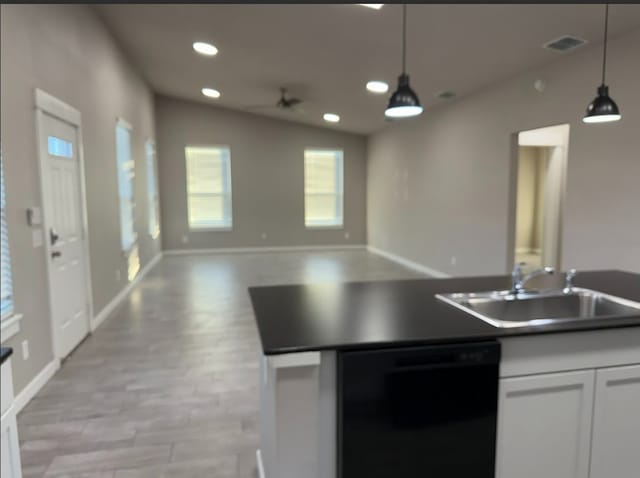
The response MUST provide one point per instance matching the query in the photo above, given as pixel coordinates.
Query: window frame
(153, 200)
(6, 315)
(131, 252)
(227, 194)
(10, 319)
(126, 249)
(339, 222)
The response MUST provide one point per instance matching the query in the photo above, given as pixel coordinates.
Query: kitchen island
(575, 370)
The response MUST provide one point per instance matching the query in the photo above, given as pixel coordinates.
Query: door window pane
(59, 147)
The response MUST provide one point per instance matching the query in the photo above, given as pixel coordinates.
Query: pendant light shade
(603, 109)
(404, 102)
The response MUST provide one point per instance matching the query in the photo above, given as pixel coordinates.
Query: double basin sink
(534, 308)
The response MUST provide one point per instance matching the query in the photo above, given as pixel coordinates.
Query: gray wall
(66, 51)
(267, 168)
(439, 186)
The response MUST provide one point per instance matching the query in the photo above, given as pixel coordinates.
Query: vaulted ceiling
(325, 54)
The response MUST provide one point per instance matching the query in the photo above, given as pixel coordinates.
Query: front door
(63, 209)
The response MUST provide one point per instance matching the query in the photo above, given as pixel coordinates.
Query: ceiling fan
(285, 102)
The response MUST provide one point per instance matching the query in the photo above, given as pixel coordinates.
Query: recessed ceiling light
(211, 92)
(331, 117)
(376, 86)
(375, 6)
(205, 48)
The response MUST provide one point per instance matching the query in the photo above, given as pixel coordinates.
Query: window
(59, 147)
(126, 173)
(323, 188)
(208, 187)
(6, 300)
(152, 190)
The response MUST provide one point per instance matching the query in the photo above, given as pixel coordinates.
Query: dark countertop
(302, 318)
(5, 353)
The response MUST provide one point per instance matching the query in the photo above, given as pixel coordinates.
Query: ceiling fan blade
(295, 109)
(261, 107)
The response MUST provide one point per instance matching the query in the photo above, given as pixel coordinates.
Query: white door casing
(66, 239)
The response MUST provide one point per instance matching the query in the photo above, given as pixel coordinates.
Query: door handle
(55, 254)
(53, 236)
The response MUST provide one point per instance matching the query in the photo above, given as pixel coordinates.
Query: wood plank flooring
(168, 385)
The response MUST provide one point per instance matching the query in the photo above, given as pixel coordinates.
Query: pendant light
(603, 109)
(404, 102)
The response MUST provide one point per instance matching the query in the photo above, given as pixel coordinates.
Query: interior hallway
(168, 385)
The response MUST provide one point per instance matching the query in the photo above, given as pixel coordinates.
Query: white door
(63, 210)
(544, 426)
(615, 451)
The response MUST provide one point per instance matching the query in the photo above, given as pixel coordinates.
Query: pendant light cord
(606, 28)
(404, 38)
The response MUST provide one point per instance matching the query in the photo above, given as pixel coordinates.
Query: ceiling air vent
(446, 95)
(564, 44)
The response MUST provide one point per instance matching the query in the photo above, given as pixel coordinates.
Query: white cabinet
(298, 416)
(569, 406)
(10, 461)
(10, 446)
(615, 449)
(544, 425)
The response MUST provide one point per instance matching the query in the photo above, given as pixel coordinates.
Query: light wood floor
(167, 386)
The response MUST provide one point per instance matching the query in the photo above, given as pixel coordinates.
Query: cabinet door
(544, 426)
(615, 449)
(10, 462)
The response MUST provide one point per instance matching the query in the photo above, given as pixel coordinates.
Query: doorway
(541, 166)
(64, 220)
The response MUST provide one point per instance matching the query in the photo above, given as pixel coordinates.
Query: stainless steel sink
(530, 308)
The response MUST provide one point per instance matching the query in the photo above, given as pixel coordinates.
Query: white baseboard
(35, 385)
(261, 473)
(239, 250)
(407, 263)
(115, 302)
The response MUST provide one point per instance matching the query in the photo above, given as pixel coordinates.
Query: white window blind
(152, 191)
(6, 299)
(323, 188)
(126, 173)
(208, 187)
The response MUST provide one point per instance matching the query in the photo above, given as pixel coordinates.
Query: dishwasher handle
(450, 356)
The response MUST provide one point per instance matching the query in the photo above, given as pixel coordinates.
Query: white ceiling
(326, 53)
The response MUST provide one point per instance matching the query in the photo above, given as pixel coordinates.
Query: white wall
(439, 186)
(66, 51)
(267, 173)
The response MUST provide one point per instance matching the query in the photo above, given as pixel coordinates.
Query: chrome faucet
(518, 280)
(568, 284)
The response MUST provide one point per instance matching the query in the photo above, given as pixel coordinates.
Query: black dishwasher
(423, 412)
